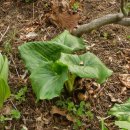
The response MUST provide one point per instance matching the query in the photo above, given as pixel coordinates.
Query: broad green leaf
(70, 41)
(3, 67)
(4, 88)
(4, 91)
(48, 80)
(86, 66)
(122, 112)
(37, 53)
(123, 124)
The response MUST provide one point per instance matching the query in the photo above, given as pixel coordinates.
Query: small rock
(31, 35)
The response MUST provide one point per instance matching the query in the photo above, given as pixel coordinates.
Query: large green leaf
(48, 80)
(87, 66)
(37, 53)
(4, 67)
(4, 91)
(69, 41)
(123, 124)
(4, 88)
(122, 112)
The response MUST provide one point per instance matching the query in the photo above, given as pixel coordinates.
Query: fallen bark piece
(125, 79)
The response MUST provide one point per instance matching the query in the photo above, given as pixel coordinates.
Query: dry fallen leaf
(61, 15)
(56, 110)
(31, 35)
(6, 110)
(62, 112)
(113, 99)
(125, 79)
(83, 96)
(65, 20)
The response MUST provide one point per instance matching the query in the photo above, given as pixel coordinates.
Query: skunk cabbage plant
(122, 114)
(53, 64)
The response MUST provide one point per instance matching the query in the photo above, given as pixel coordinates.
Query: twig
(107, 19)
(117, 18)
(4, 33)
(124, 21)
(13, 105)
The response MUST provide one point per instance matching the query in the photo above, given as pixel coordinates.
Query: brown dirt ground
(21, 17)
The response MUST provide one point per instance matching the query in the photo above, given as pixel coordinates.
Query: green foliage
(128, 37)
(15, 114)
(20, 95)
(103, 127)
(77, 110)
(122, 113)
(77, 125)
(7, 47)
(105, 35)
(3, 118)
(52, 65)
(4, 88)
(86, 66)
(123, 124)
(75, 6)
(127, 8)
(51, 77)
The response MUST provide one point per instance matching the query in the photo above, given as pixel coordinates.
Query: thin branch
(2, 35)
(124, 21)
(97, 23)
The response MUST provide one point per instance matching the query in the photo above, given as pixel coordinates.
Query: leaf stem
(69, 84)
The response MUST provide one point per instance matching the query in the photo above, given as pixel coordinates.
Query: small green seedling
(77, 124)
(7, 47)
(3, 119)
(20, 95)
(75, 6)
(76, 110)
(105, 35)
(128, 37)
(15, 114)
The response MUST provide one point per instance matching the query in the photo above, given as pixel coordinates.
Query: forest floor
(110, 43)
